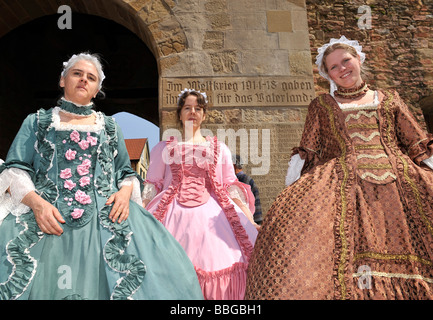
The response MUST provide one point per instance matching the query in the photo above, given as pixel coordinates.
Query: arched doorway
(31, 58)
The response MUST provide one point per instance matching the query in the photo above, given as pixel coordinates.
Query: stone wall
(398, 46)
(253, 60)
(260, 45)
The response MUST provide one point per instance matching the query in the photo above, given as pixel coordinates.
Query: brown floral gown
(358, 224)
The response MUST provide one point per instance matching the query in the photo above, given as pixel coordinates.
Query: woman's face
(344, 69)
(191, 111)
(81, 83)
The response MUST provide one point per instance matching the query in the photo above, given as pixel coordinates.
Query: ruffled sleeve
(123, 172)
(429, 162)
(149, 191)
(294, 170)
(18, 184)
(156, 173)
(135, 195)
(242, 191)
(23, 149)
(17, 171)
(310, 146)
(413, 139)
(122, 162)
(226, 172)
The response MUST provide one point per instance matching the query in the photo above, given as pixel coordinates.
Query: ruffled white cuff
(429, 162)
(135, 195)
(294, 170)
(149, 191)
(5, 206)
(19, 184)
(235, 192)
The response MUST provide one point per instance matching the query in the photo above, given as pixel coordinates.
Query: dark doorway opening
(31, 58)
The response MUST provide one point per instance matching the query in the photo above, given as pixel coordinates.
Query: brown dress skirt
(358, 224)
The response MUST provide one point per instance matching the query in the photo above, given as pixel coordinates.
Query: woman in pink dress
(192, 189)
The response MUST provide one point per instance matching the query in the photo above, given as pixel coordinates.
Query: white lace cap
(322, 49)
(191, 90)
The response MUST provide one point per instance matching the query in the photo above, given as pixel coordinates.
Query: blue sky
(134, 127)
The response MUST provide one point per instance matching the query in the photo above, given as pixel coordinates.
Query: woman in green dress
(71, 221)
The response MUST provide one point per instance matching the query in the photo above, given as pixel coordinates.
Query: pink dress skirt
(194, 205)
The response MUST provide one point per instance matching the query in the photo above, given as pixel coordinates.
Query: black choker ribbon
(352, 93)
(75, 109)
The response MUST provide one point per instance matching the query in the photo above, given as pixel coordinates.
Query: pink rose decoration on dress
(82, 197)
(69, 184)
(84, 144)
(83, 168)
(66, 174)
(92, 140)
(70, 154)
(75, 136)
(84, 181)
(77, 213)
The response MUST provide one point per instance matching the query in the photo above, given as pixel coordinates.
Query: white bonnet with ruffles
(322, 49)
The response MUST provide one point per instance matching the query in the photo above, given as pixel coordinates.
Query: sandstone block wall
(398, 45)
(253, 60)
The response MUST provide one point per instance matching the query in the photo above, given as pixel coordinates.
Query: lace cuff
(135, 195)
(429, 162)
(235, 192)
(19, 184)
(149, 191)
(294, 170)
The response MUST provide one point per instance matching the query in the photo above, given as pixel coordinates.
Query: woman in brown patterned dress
(358, 223)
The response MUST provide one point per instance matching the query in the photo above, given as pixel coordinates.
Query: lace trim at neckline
(375, 103)
(58, 126)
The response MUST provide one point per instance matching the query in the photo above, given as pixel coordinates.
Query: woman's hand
(47, 216)
(246, 211)
(120, 210)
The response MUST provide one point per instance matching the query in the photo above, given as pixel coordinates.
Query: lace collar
(77, 109)
(98, 126)
(374, 103)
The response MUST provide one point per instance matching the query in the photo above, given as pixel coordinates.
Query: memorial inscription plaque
(243, 91)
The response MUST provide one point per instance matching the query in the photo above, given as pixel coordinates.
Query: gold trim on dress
(406, 173)
(417, 195)
(363, 126)
(369, 146)
(350, 108)
(375, 166)
(390, 256)
(342, 160)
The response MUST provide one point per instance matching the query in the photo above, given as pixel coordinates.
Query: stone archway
(152, 21)
(132, 38)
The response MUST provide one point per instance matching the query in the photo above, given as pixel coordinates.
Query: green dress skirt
(77, 169)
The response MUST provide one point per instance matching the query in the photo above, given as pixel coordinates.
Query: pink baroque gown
(192, 186)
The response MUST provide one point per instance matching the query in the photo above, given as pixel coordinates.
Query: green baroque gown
(77, 169)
